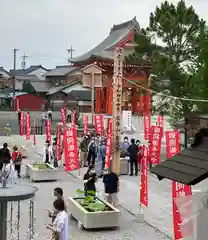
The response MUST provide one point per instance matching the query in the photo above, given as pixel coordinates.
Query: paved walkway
(159, 212)
(130, 230)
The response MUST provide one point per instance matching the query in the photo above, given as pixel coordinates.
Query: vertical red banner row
(63, 116)
(58, 142)
(22, 124)
(147, 124)
(109, 142)
(98, 121)
(85, 119)
(178, 189)
(34, 132)
(71, 149)
(48, 130)
(155, 144)
(144, 179)
(28, 129)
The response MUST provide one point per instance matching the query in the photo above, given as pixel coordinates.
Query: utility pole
(70, 52)
(23, 63)
(14, 75)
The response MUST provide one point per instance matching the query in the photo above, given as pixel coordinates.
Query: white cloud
(43, 29)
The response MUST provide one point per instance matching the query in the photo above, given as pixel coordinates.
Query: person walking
(17, 160)
(92, 152)
(124, 147)
(54, 155)
(60, 226)
(47, 152)
(83, 151)
(101, 156)
(133, 151)
(50, 117)
(111, 186)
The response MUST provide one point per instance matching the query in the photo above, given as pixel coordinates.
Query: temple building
(133, 98)
(103, 54)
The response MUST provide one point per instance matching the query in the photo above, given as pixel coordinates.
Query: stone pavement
(129, 229)
(158, 214)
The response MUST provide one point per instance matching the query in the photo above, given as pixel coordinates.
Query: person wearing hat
(111, 186)
(90, 178)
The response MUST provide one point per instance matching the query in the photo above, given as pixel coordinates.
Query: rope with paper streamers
(165, 95)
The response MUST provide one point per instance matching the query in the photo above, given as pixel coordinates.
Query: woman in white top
(60, 228)
(47, 152)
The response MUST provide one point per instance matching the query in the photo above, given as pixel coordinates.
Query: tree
(28, 87)
(179, 30)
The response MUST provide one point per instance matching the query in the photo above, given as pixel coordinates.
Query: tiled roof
(39, 85)
(55, 90)
(30, 69)
(27, 78)
(60, 71)
(4, 70)
(117, 34)
(33, 68)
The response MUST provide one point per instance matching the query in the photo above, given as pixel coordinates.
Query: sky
(44, 29)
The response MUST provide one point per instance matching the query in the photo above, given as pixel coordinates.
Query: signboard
(127, 120)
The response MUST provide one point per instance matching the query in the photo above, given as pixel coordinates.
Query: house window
(85, 109)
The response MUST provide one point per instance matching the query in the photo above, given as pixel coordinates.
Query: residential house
(62, 75)
(5, 78)
(60, 95)
(37, 70)
(32, 84)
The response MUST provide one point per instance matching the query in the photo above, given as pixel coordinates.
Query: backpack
(18, 158)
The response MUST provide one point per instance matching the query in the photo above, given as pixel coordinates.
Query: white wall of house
(39, 73)
(76, 86)
(6, 75)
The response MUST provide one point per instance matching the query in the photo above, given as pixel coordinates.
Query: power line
(166, 95)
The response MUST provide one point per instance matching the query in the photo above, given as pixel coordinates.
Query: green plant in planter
(39, 166)
(90, 202)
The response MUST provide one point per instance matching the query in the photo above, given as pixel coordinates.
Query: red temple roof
(118, 35)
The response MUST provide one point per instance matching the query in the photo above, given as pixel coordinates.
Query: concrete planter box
(93, 220)
(124, 166)
(48, 174)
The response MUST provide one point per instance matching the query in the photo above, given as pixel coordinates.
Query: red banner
(17, 104)
(22, 123)
(109, 142)
(34, 132)
(98, 120)
(110, 126)
(85, 119)
(58, 142)
(144, 179)
(71, 150)
(63, 116)
(160, 121)
(141, 104)
(178, 189)
(147, 103)
(155, 144)
(27, 126)
(48, 130)
(147, 123)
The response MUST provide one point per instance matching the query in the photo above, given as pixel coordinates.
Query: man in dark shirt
(133, 151)
(111, 184)
(5, 155)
